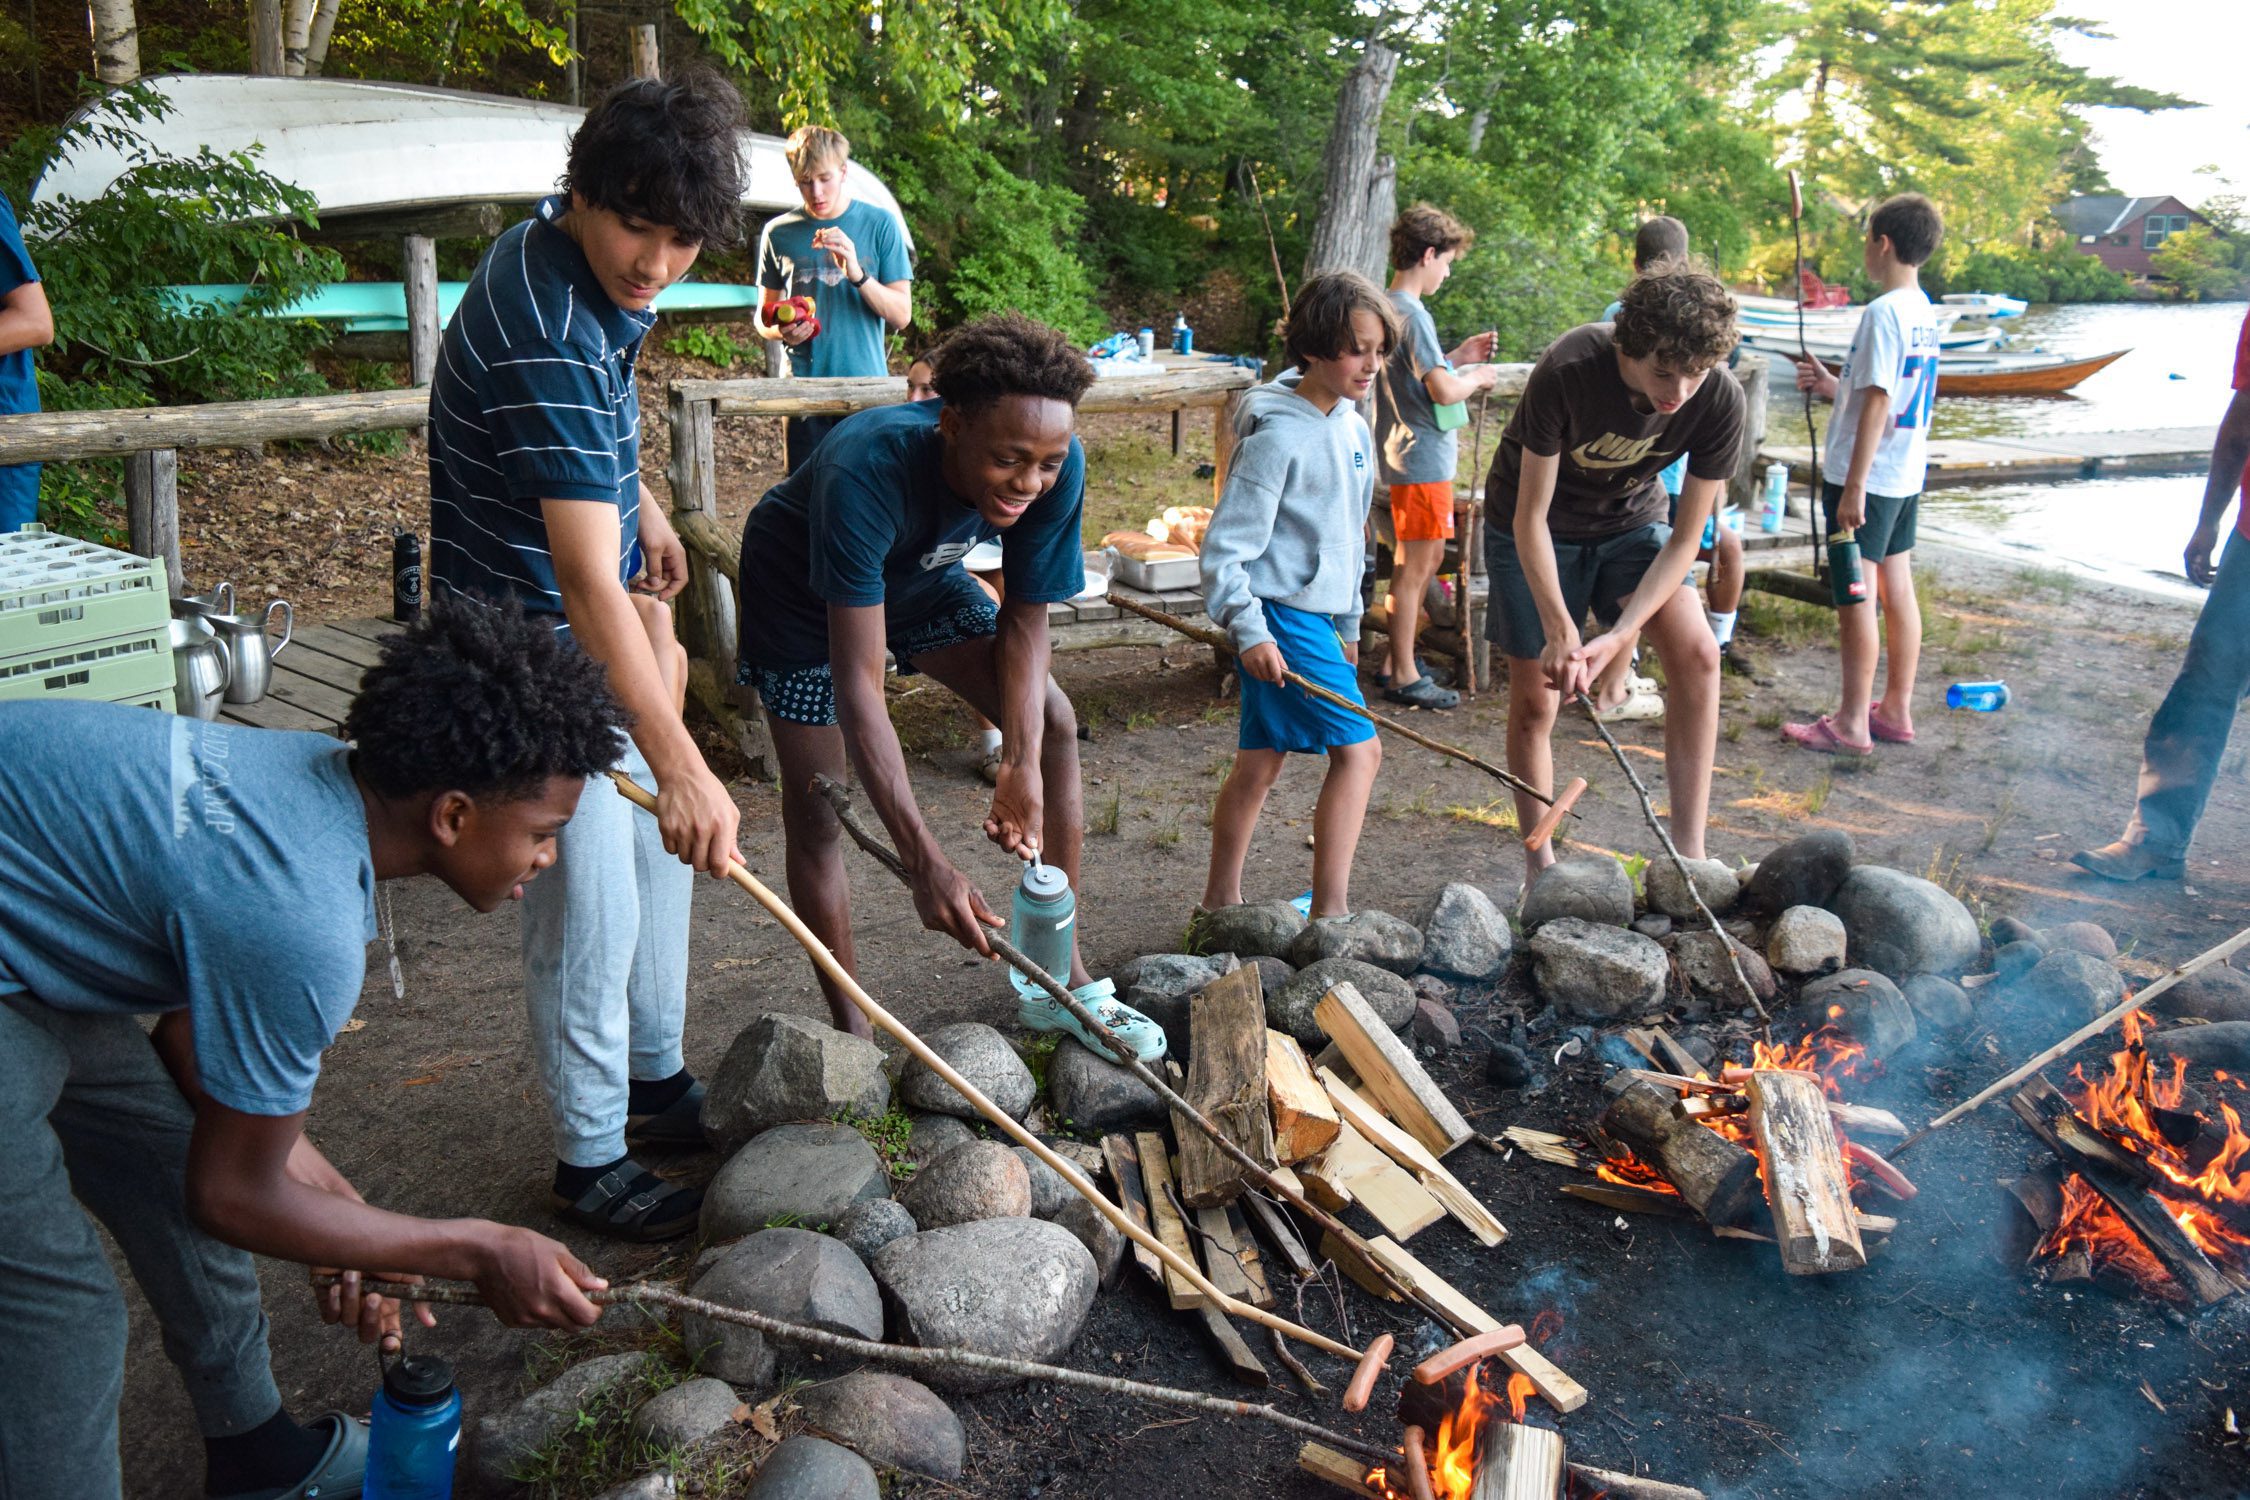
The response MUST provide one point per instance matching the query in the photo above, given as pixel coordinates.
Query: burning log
(1304, 1122)
(1806, 1184)
(1515, 1462)
(1718, 1178)
(1227, 1082)
(1344, 1472)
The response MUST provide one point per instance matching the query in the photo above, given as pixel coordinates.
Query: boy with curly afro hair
(858, 553)
(1579, 524)
(222, 879)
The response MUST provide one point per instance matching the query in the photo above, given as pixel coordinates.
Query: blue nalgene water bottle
(1041, 926)
(1982, 697)
(1183, 337)
(413, 1432)
(1776, 508)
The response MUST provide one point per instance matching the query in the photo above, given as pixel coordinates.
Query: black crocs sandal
(679, 1123)
(1423, 693)
(632, 1203)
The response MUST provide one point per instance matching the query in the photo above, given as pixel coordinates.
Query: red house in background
(2123, 232)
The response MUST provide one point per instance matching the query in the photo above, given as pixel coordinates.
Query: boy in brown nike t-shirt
(1578, 524)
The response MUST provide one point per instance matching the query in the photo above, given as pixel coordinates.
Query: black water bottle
(406, 577)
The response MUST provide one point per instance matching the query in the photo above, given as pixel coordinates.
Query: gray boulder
(2011, 961)
(1273, 973)
(806, 1173)
(2073, 985)
(1869, 1008)
(1802, 872)
(1653, 924)
(505, 1440)
(889, 1420)
(782, 1068)
(2006, 930)
(2217, 994)
(1158, 986)
(1019, 1288)
(1806, 941)
(1668, 893)
(929, 1137)
(1901, 924)
(1095, 1095)
(792, 1274)
(1597, 971)
(978, 1180)
(1372, 937)
(870, 1224)
(2222, 1044)
(810, 1468)
(1048, 1191)
(1592, 888)
(1465, 936)
(1702, 960)
(1940, 1005)
(983, 1057)
(1255, 929)
(2089, 938)
(1390, 997)
(686, 1414)
(1102, 1239)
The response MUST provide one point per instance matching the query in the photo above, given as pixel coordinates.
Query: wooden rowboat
(2018, 374)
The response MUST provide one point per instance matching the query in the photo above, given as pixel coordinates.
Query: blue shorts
(1596, 576)
(806, 693)
(1284, 717)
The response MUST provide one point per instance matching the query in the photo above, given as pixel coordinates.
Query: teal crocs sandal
(1136, 1031)
(342, 1470)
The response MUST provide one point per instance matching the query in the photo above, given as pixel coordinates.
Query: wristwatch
(862, 280)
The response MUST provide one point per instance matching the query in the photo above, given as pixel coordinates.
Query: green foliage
(715, 343)
(988, 241)
(2054, 274)
(1038, 1052)
(888, 1133)
(462, 43)
(2198, 264)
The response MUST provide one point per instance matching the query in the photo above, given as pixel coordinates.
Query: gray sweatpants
(94, 1124)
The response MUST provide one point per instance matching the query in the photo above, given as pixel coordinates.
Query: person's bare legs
(1902, 630)
(1614, 684)
(1859, 646)
(1728, 572)
(1532, 706)
(1416, 564)
(813, 857)
(1233, 817)
(1337, 817)
(1682, 638)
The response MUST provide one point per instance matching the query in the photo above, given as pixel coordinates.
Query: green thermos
(1845, 583)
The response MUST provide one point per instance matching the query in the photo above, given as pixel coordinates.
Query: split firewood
(1241, 1363)
(1156, 1174)
(1351, 1170)
(1629, 1200)
(1279, 1233)
(1361, 1115)
(1518, 1462)
(1304, 1122)
(1806, 1185)
(1226, 1080)
(1121, 1154)
(1717, 1177)
(1863, 1119)
(1389, 1073)
(1546, 1146)
(1343, 1472)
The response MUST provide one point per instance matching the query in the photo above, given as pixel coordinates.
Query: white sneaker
(1143, 1036)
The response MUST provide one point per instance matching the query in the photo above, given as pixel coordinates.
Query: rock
(1019, 1288)
(1872, 1011)
(1048, 1191)
(870, 1224)
(2089, 938)
(1702, 958)
(1159, 985)
(1506, 1067)
(1806, 941)
(782, 1068)
(889, 1420)
(2006, 930)
(810, 1468)
(1428, 986)
(1700, 1048)
(1901, 924)
(1802, 872)
(1255, 929)
(784, 1273)
(1102, 1239)
(657, 1486)
(1653, 925)
(506, 1439)
(983, 1057)
(1433, 1026)
(1667, 893)
(2222, 1044)
(1465, 936)
(806, 1173)
(1593, 888)
(929, 1137)
(1093, 1094)
(686, 1414)
(978, 1180)
(2217, 994)
(1272, 974)
(1596, 970)
(1390, 997)
(2014, 960)
(1939, 1005)
(2075, 986)
(1372, 937)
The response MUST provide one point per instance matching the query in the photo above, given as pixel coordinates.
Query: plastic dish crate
(57, 591)
(127, 668)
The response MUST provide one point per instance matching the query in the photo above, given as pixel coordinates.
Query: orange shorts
(1422, 512)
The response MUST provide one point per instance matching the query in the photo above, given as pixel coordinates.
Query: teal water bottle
(1978, 697)
(1041, 925)
(1776, 507)
(414, 1430)
(1846, 585)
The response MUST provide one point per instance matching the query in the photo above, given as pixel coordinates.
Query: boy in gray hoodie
(1281, 566)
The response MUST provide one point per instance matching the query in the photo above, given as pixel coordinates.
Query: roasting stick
(826, 962)
(1218, 642)
(1664, 837)
(840, 798)
(2093, 1028)
(643, 1292)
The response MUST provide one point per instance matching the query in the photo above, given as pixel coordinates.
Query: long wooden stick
(2091, 1029)
(1218, 642)
(939, 1356)
(840, 799)
(826, 962)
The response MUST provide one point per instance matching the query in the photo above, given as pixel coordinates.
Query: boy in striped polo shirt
(536, 494)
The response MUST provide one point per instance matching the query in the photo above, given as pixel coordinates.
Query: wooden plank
(272, 713)
(1362, 1116)
(1393, 1257)
(1554, 1387)
(1515, 1462)
(1806, 1185)
(1396, 1201)
(1274, 1224)
(1389, 1072)
(1121, 1154)
(1241, 1363)
(755, 396)
(54, 436)
(1364, 1273)
(320, 667)
(331, 704)
(342, 645)
(1304, 1121)
(1245, 1247)
(1221, 1257)
(1226, 1080)
(1156, 1176)
(1338, 1470)
(1328, 1176)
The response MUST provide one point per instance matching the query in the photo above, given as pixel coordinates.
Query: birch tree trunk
(296, 36)
(316, 42)
(117, 41)
(1359, 190)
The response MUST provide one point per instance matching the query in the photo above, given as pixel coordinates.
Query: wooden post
(644, 52)
(1175, 432)
(152, 509)
(419, 257)
(1227, 1082)
(705, 611)
(1753, 374)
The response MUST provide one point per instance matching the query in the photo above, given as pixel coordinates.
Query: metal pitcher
(199, 668)
(220, 601)
(250, 650)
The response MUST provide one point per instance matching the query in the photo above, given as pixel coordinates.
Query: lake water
(2131, 529)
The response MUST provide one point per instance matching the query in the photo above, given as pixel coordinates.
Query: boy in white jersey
(1878, 448)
